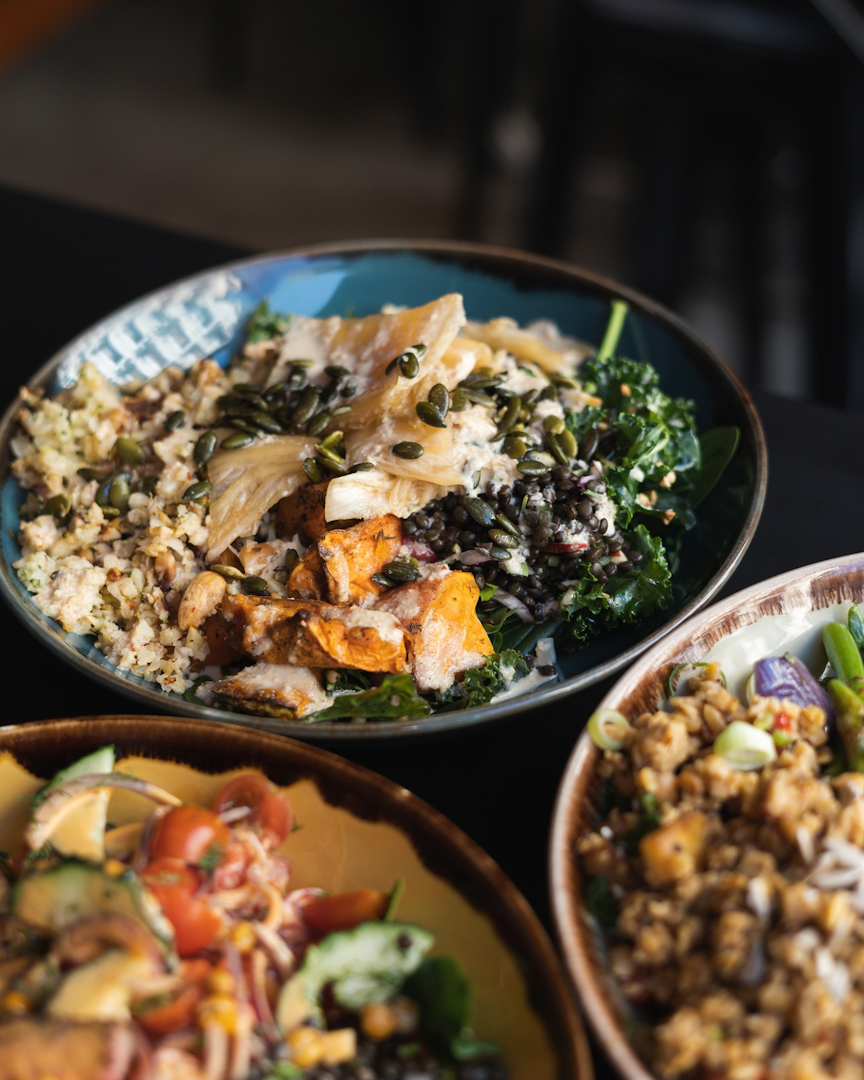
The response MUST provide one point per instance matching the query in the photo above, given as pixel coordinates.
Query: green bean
(843, 653)
(849, 718)
(856, 625)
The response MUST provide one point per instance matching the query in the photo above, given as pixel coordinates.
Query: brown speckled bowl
(357, 829)
(769, 618)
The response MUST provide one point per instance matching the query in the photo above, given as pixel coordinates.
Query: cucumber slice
(100, 761)
(366, 964)
(62, 895)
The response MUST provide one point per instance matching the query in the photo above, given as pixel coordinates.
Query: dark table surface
(70, 267)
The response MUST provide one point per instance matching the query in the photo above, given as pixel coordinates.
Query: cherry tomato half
(324, 914)
(272, 816)
(188, 833)
(174, 885)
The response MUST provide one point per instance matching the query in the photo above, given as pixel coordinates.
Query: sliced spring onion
(679, 675)
(608, 729)
(744, 746)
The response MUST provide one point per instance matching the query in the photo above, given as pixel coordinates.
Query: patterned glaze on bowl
(205, 315)
(358, 830)
(785, 613)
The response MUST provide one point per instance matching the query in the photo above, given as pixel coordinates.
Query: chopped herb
(265, 324)
(396, 698)
(600, 902)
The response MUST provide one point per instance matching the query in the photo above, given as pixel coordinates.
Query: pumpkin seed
(480, 510)
(204, 448)
(557, 379)
(384, 581)
(307, 406)
(291, 560)
(440, 398)
(500, 553)
(479, 397)
(362, 466)
(349, 389)
(227, 402)
(530, 467)
(196, 492)
(335, 465)
(334, 371)
(409, 365)
(118, 494)
(103, 497)
(507, 524)
(554, 425)
(229, 572)
(407, 450)
(588, 444)
(541, 455)
(459, 401)
(340, 410)
(297, 377)
(554, 444)
(58, 506)
(237, 441)
(128, 451)
(332, 440)
(318, 422)
(255, 586)
(256, 401)
(509, 418)
(429, 414)
(503, 539)
(326, 453)
(568, 443)
(242, 424)
(313, 470)
(272, 392)
(245, 388)
(401, 571)
(514, 447)
(267, 422)
(547, 394)
(91, 474)
(149, 485)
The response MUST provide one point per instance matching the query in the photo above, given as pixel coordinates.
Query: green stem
(613, 330)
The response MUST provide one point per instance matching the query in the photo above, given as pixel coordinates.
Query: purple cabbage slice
(787, 678)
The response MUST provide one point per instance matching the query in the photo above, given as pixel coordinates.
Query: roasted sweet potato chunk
(446, 637)
(302, 514)
(341, 565)
(317, 635)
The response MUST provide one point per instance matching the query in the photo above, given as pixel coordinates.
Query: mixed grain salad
(726, 869)
(174, 947)
(360, 518)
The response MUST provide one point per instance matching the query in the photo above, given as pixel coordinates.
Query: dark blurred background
(707, 152)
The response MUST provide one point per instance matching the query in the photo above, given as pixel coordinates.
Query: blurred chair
(684, 73)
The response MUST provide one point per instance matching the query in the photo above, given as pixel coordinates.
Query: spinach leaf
(718, 447)
(443, 994)
(396, 698)
(265, 324)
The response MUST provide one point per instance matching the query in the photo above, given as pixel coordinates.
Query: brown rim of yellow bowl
(44, 746)
(641, 688)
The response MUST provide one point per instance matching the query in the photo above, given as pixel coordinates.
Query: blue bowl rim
(441, 722)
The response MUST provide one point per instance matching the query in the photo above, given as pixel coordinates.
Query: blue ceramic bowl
(205, 315)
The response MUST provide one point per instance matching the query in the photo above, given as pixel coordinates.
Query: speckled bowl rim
(576, 938)
(440, 844)
(435, 723)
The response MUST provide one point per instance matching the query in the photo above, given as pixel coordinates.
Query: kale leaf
(395, 699)
(481, 684)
